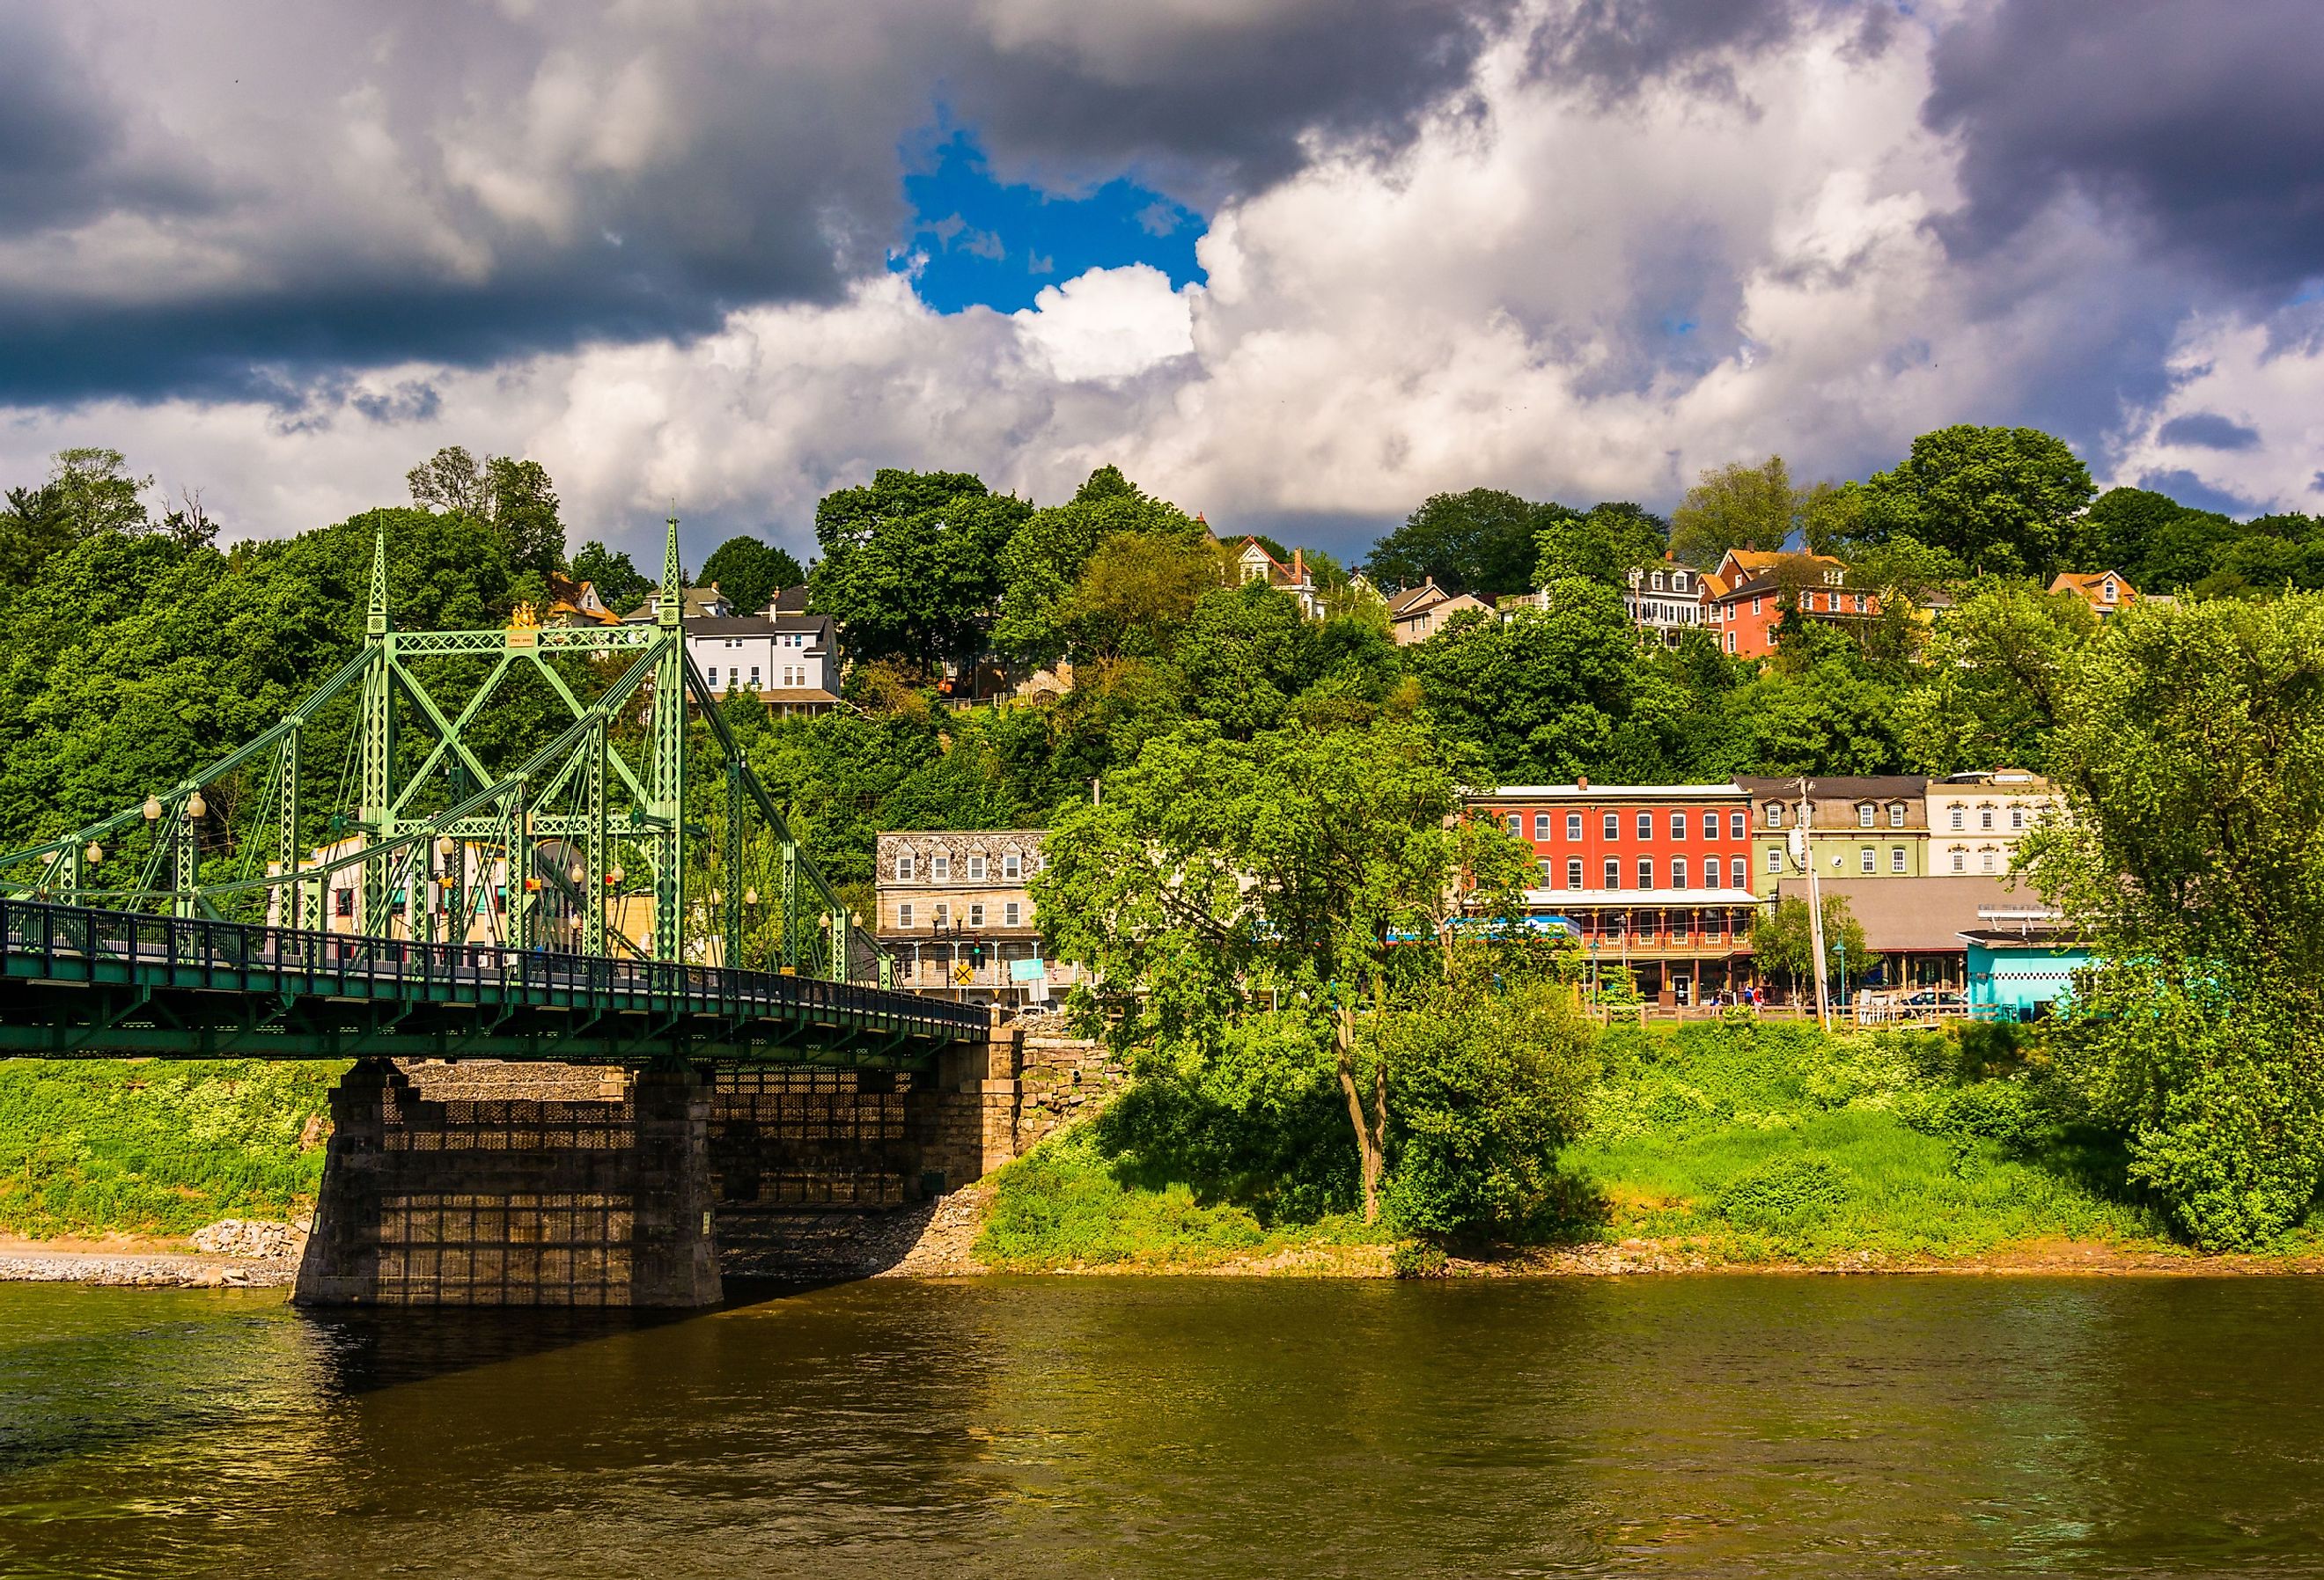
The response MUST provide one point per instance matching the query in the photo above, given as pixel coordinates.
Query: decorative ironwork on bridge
(634, 830)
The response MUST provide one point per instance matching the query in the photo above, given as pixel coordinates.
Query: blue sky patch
(990, 244)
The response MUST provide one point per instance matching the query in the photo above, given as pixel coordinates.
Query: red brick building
(1655, 877)
(1749, 598)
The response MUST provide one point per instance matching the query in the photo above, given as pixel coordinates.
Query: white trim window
(1863, 816)
(1008, 914)
(1012, 865)
(940, 869)
(943, 913)
(1573, 829)
(976, 869)
(1738, 878)
(1897, 815)
(1896, 858)
(904, 914)
(976, 917)
(1574, 873)
(907, 867)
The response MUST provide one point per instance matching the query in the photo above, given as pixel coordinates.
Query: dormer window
(1658, 581)
(1863, 816)
(1832, 578)
(1897, 815)
(908, 867)
(2107, 592)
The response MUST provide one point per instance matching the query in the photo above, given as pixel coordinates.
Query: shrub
(1418, 1258)
(1485, 1086)
(1783, 1193)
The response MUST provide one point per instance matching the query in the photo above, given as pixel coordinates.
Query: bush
(1484, 1088)
(1785, 1193)
(1418, 1258)
(1063, 1203)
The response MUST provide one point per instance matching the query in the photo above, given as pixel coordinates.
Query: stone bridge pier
(488, 1184)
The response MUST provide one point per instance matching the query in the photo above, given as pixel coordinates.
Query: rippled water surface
(1715, 1425)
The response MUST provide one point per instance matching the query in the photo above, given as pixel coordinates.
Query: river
(1181, 1427)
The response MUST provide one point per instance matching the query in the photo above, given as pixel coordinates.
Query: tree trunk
(1371, 1129)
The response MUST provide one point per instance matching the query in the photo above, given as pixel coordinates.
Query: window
(1613, 873)
(976, 916)
(1011, 866)
(344, 902)
(1678, 824)
(1755, 605)
(1711, 872)
(1646, 873)
(713, 677)
(1008, 914)
(1984, 862)
(1775, 814)
(1613, 827)
(1710, 825)
(1867, 861)
(1574, 873)
(1775, 858)
(1985, 818)
(1573, 827)
(1678, 871)
(1734, 824)
(1832, 579)
(976, 869)
(1859, 603)
(754, 676)
(1544, 873)
(2017, 817)
(906, 865)
(1515, 822)
(1645, 825)
(1736, 876)
(1961, 861)
(943, 913)
(1658, 581)
(940, 870)
(1897, 815)
(1864, 817)
(2107, 592)
(1731, 642)
(1957, 818)
(1540, 825)
(904, 914)
(1895, 858)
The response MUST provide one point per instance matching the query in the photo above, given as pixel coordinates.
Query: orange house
(1753, 597)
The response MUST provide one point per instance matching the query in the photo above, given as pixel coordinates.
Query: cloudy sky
(1295, 263)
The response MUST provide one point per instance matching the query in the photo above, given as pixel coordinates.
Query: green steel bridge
(476, 889)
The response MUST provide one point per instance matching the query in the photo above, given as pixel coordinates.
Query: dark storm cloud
(1617, 46)
(355, 186)
(2208, 431)
(2201, 124)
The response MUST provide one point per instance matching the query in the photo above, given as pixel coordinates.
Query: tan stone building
(954, 911)
(1976, 821)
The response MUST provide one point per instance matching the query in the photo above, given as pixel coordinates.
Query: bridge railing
(70, 942)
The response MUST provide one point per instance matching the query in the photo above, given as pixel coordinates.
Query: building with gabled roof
(1416, 614)
(2108, 592)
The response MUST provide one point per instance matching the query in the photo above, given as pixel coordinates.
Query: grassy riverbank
(1722, 1144)
(153, 1147)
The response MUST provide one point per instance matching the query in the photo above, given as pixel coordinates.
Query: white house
(788, 658)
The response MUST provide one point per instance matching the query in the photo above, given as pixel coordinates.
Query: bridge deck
(79, 982)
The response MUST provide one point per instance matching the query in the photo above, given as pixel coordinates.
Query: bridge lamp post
(95, 855)
(152, 809)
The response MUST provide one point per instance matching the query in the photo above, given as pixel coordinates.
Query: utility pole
(1804, 845)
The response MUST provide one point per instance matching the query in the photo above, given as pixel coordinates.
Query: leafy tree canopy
(751, 572)
(514, 498)
(911, 563)
(1043, 562)
(1481, 542)
(2005, 500)
(1734, 506)
(619, 583)
(1603, 545)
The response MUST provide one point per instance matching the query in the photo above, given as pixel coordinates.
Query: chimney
(1299, 565)
(1582, 782)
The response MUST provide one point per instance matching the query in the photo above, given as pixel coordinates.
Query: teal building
(2022, 974)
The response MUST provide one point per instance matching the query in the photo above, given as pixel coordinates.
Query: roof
(1612, 792)
(1754, 559)
(1903, 915)
(1870, 787)
(757, 625)
(798, 694)
(2088, 581)
(699, 602)
(790, 600)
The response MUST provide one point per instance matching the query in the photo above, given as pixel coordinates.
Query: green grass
(1775, 1143)
(1064, 1204)
(153, 1147)
(1751, 1143)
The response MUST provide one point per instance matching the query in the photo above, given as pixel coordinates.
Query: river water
(1182, 1427)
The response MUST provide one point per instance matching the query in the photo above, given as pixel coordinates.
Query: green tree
(1043, 563)
(89, 490)
(1990, 693)
(1135, 594)
(911, 563)
(1602, 546)
(1480, 542)
(1734, 506)
(1783, 942)
(1488, 1079)
(514, 498)
(1216, 877)
(2005, 500)
(751, 572)
(618, 582)
(2191, 746)
(1245, 657)
(1538, 696)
